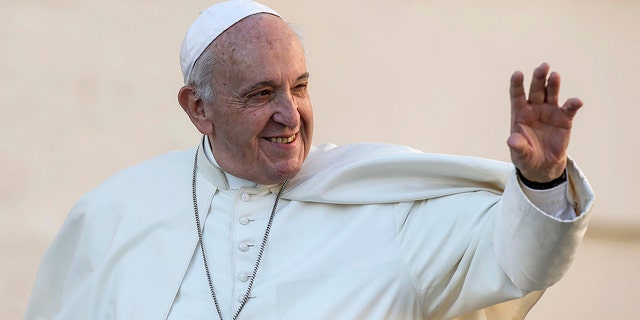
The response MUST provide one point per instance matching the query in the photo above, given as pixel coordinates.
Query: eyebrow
(304, 76)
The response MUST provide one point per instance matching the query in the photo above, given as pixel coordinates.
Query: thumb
(517, 144)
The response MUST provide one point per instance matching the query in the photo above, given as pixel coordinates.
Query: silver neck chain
(247, 294)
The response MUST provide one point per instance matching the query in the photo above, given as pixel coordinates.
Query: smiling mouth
(285, 140)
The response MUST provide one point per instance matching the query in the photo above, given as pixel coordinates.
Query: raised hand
(540, 128)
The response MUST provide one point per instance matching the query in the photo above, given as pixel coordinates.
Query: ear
(195, 109)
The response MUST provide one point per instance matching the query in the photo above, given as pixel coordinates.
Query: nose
(286, 112)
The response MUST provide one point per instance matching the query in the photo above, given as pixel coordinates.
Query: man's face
(261, 117)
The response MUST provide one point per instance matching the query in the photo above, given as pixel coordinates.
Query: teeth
(283, 140)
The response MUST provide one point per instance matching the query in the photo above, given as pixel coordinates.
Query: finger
(553, 89)
(537, 91)
(572, 106)
(516, 90)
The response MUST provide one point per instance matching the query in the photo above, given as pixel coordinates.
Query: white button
(244, 246)
(241, 298)
(245, 197)
(244, 220)
(243, 276)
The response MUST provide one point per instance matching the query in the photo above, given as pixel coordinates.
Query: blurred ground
(89, 87)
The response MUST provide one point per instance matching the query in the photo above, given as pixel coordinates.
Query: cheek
(245, 128)
(228, 130)
(306, 113)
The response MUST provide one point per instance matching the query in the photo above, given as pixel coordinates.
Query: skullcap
(210, 24)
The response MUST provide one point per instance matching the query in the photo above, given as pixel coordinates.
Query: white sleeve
(535, 247)
(473, 250)
(553, 202)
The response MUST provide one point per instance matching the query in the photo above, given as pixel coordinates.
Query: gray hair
(201, 75)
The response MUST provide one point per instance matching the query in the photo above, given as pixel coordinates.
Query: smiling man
(258, 117)
(255, 223)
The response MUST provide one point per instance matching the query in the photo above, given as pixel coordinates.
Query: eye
(300, 88)
(260, 94)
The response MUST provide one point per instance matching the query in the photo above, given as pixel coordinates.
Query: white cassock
(364, 231)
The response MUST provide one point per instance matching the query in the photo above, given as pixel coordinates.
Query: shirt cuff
(554, 202)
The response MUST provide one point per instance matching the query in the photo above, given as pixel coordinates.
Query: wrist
(542, 185)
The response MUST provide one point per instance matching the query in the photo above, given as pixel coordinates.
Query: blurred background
(89, 87)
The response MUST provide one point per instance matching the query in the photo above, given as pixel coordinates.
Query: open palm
(540, 128)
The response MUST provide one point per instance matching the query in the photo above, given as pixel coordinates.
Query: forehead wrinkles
(251, 36)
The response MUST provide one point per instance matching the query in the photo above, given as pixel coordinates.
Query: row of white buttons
(244, 245)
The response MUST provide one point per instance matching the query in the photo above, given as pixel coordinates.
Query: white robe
(364, 231)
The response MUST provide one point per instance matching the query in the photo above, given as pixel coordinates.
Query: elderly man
(255, 223)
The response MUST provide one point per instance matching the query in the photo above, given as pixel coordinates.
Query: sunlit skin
(260, 123)
(540, 128)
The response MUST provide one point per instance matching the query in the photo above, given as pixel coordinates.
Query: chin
(287, 173)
